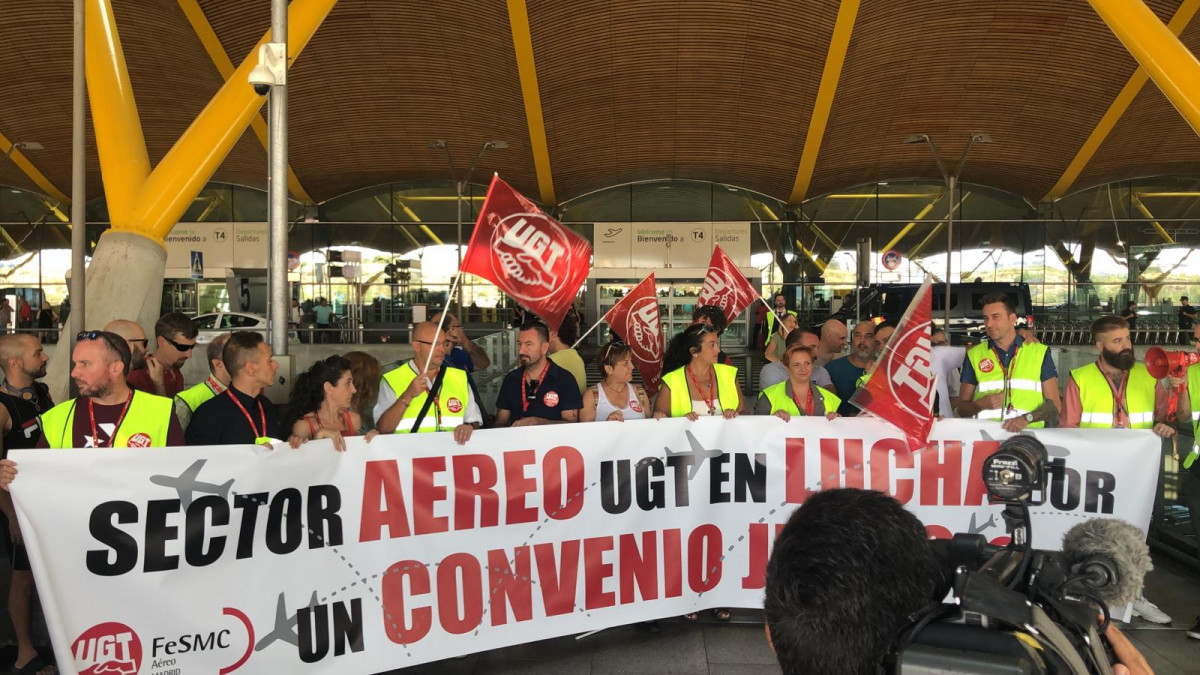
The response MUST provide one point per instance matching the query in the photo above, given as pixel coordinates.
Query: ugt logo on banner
(526, 253)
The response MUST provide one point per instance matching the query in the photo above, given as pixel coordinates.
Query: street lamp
(459, 187)
(951, 181)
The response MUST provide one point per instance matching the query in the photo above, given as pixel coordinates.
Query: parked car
(213, 324)
(887, 302)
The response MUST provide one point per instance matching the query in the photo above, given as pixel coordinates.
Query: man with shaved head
(23, 399)
(425, 395)
(833, 341)
(135, 337)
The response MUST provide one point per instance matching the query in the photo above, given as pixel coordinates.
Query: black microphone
(1109, 557)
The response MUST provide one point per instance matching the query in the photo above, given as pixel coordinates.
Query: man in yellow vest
(217, 382)
(1007, 379)
(779, 311)
(1117, 392)
(404, 393)
(108, 413)
(1114, 392)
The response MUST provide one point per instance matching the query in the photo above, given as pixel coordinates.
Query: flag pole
(441, 320)
(589, 331)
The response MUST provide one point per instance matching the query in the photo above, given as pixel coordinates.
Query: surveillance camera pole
(277, 192)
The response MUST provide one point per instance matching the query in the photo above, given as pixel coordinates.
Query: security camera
(271, 69)
(262, 79)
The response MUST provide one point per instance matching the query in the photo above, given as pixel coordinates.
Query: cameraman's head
(848, 571)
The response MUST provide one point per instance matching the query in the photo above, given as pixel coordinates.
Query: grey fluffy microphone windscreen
(1120, 543)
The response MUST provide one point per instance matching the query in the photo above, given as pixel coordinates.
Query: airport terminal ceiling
(633, 91)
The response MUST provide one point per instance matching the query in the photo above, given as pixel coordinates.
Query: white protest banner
(411, 549)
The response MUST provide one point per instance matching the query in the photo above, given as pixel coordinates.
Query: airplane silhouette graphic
(285, 626)
(185, 483)
(698, 451)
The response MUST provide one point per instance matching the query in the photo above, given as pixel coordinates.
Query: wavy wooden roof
(719, 90)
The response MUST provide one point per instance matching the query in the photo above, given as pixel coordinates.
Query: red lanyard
(1012, 364)
(809, 408)
(1118, 397)
(262, 415)
(113, 436)
(708, 400)
(524, 400)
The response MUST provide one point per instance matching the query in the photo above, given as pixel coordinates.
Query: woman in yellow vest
(696, 385)
(320, 405)
(797, 395)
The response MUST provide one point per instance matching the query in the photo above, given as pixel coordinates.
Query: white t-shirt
(631, 411)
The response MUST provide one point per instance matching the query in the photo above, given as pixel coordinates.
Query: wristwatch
(1028, 417)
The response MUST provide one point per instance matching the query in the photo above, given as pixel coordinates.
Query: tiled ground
(739, 648)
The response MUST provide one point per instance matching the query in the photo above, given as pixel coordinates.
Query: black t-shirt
(219, 420)
(1185, 320)
(557, 391)
(26, 425)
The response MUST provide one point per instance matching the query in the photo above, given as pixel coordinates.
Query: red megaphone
(1162, 363)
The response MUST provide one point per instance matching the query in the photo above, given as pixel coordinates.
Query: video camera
(1018, 609)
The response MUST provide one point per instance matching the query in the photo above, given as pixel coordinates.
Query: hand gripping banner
(527, 254)
(412, 549)
(635, 319)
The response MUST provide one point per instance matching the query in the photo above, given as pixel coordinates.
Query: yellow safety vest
(771, 324)
(1096, 397)
(451, 401)
(1024, 384)
(195, 395)
(149, 416)
(1193, 387)
(778, 397)
(681, 400)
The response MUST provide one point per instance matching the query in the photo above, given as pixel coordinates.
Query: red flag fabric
(635, 319)
(901, 387)
(529, 255)
(726, 287)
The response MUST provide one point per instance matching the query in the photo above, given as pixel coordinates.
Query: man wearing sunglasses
(175, 338)
(135, 337)
(108, 413)
(425, 395)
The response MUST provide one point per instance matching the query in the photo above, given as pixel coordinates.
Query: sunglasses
(446, 344)
(145, 341)
(110, 338)
(180, 347)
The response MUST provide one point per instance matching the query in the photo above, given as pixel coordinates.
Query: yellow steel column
(1168, 62)
(118, 129)
(150, 202)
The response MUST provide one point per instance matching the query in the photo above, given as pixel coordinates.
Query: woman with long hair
(615, 398)
(694, 384)
(320, 405)
(366, 374)
(797, 395)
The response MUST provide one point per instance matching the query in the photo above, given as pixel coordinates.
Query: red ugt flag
(528, 254)
(635, 319)
(726, 287)
(900, 390)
